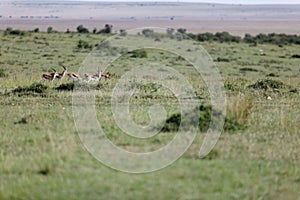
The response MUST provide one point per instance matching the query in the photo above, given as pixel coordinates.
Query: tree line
(262, 38)
(271, 38)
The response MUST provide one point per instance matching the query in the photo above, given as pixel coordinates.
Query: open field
(41, 156)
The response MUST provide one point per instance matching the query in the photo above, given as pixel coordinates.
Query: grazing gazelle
(74, 76)
(50, 77)
(93, 78)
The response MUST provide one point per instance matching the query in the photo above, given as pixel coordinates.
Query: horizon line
(174, 1)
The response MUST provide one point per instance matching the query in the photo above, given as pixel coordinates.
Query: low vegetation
(256, 157)
(32, 90)
(232, 123)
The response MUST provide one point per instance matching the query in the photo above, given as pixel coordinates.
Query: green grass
(41, 156)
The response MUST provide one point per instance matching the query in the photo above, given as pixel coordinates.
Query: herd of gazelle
(76, 77)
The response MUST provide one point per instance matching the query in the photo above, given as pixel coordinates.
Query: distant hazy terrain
(196, 17)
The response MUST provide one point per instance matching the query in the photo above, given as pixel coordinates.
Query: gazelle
(93, 78)
(50, 77)
(62, 74)
(74, 76)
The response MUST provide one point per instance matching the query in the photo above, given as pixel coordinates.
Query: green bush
(84, 45)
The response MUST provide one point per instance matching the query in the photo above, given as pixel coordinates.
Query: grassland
(41, 156)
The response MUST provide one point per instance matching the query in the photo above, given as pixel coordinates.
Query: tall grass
(240, 107)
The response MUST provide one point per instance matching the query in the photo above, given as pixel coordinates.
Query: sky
(217, 1)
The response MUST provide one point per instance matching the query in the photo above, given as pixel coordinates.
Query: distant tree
(68, 31)
(95, 30)
(205, 37)
(36, 30)
(81, 29)
(107, 29)
(181, 30)
(148, 32)
(50, 29)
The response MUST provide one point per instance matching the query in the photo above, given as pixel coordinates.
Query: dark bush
(81, 29)
(50, 29)
(272, 75)
(205, 116)
(81, 86)
(10, 31)
(296, 56)
(107, 29)
(267, 84)
(65, 87)
(138, 54)
(244, 69)
(223, 59)
(148, 32)
(33, 89)
(181, 30)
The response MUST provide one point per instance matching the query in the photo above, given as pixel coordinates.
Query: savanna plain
(41, 156)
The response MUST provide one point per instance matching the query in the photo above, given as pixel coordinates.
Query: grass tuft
(3, 73)
(239, 108)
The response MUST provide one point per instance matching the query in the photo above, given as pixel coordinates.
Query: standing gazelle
(50, 77)
(93, 78)
(62, 74)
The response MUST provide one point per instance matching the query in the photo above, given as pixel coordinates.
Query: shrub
(84, 45)
(295, 56)
(266, 84)
(236, 84)
(33, 89)
(223, 59)
(244, 69)
(138, 54)
(205, 116)
(11, 31)
(107, 29)
(81, 86)
(81, 29)
(181, 30)
(148, 32)
(50, 29)
(65, 87)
